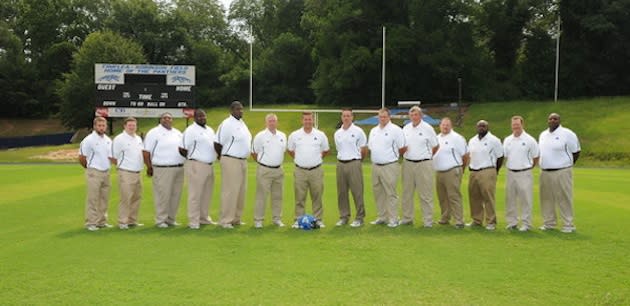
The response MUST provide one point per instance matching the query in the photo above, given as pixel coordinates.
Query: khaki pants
(482, 187)
(200, 178)
(556, 190)
(384, 180)
(233, 189)
(417, 178)
(448, 185)
(269, 181)
(519, 193)
(167, 191)
(130, 185)
(309, 181)
(350, 178)
(98, 186)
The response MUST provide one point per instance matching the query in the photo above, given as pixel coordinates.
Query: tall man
(417, 170)
(386, 144)
(351, 144)
(94, 155)
(165, 165)
(450, 161)
(127, 151)
(233, 146)
(521, 152)
(308, 146)
(268, 151)
(559, 150)
(198, 148)
(486, 158)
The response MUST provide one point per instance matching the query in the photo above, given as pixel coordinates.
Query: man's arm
(83, 161)
(535, 161)
(291, 153)
(402, 150)
(576, 155)
(435, 149)
(465, 161)
(324, 153)
(147, 161)
(364, 151)
(218, 148)
(499, 163)
(183, 152)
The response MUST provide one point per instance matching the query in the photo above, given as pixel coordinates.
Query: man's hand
(149, 171)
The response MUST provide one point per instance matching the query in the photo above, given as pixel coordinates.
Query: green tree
(77, 88)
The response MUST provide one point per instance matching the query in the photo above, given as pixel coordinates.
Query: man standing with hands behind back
(127, 151)
(94, 155)
(232, 145)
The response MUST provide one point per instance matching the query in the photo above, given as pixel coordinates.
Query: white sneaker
(227, 226)
(356, 223)
(209, 222)
(392, 224)
(173, 224)
(295, 225)
(123, 226)
(378, 222)
(511, 227)
(162, 225)
(106, 225)
(320, 224)
(406, 222)
(491, 227)
(135, 224)
(341, 222)
(523, 228)
(568, 229)
(258, 224)
(194, 226)
(546, 228)
(278, 223)
(92, 228)
(428, 225)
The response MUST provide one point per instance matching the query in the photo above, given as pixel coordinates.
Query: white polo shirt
(97, 150)
(163, 145)
(270, 147)
(421, 140)
(128, 152)
(308, 147)
(520, 151)
(484, 152)
(199, 142)
(349, 142)
(235, 137)
(385, 143)
(452, 148)
(557, 148)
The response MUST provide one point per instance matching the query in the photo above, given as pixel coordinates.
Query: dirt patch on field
(59, 155)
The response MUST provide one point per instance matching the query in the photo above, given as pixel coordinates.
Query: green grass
(48, 258)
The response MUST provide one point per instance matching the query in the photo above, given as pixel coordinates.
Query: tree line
(314, 51)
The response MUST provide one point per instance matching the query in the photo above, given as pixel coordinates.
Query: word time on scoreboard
(124, 90)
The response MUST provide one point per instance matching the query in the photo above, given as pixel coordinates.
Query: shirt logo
(386, 134)
(314, 138)
(485, 144)
(557, 138)
(523, 144)
(420, 133)
(352, 135)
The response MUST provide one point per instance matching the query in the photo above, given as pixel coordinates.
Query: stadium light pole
(251, 69)
(555, 91)
(383, 73)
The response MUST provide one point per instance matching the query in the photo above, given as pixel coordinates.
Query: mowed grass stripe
(48, 258)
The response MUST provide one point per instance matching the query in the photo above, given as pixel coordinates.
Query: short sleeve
(400, 139)
(362, 138)
(291, 142)
(150, 142)
(572, 142)
(324, 145)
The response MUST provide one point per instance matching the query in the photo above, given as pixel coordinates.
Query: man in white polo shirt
(351, 144)
(386, 144)
(166, 166)
(521, 152)
(449, 162)
(417, 170)
(232, 144)
(559, 150)
(94, 155)
(198, 148)
(268, 151)
(127, 151)
(486, 158)
(308, 146)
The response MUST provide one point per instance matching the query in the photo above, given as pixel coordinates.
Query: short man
(450, 161)
(127, 151)
(417, 170)
(386, 144)
(165, 165)
(351, 144)
(559, 150)
(232, 145)
(521, 152)
(486, 158)
(94, 155)
(268, 151)
(198, 148)
(308, 146)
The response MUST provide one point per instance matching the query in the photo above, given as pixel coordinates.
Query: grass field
(48, 258)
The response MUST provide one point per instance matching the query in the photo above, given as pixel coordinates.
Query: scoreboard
(124, 90)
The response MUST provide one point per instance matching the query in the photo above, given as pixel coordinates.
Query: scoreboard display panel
(144, 90)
